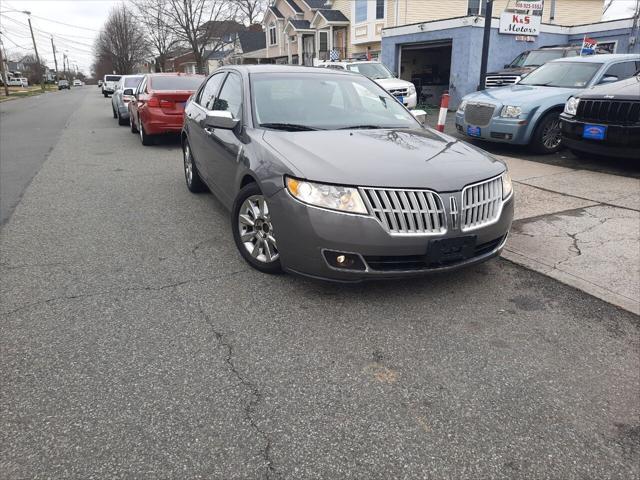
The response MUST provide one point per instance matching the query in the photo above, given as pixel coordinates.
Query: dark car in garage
(604, 120)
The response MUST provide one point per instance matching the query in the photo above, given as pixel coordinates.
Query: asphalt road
(135, 343)
(29, 128)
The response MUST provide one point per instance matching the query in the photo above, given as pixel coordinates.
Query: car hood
(522, 95)
(623, 90)
(389, 83)
(384, 158)
(512, 71)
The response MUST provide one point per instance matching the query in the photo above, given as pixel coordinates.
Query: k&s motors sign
(519, 24)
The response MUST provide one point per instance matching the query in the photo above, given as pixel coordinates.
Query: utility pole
(4, 74)
(486, 38)
(55, 60)
(36, 50)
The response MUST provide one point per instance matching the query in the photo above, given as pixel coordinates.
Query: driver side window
(230, 98)
(210, 90)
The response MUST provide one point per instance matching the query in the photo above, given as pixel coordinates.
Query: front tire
(191, 174)
(115, 114)
(547, 137)
(132, 124)
(253, 231)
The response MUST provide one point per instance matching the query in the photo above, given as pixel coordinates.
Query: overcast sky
(84, 18)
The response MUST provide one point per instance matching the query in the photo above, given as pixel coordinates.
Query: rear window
(132, 82)
(191, 82)
(112, 78)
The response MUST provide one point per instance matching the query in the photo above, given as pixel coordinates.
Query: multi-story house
(301, 31)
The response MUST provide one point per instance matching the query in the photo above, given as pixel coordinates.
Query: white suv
(404, 91)
(109, 84)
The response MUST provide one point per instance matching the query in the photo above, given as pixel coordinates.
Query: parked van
(18, 82)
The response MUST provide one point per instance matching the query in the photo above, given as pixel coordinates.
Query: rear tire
(255, 242)
(547, 137)
(121, 121)
(144, 138)
(191, 174)
(106, 95)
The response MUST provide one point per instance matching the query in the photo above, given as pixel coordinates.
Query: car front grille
(398, 92)
(500, 80)
(481, 203)
(412, 212)
(625, 112)
(396, 263)
(478, 114)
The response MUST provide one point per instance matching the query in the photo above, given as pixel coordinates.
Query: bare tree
(251, 11)
(152, 14)
(121, 41)
(202, 25)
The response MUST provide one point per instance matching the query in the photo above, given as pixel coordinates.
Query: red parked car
(158, 104)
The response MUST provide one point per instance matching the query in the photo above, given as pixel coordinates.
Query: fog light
(344, 261)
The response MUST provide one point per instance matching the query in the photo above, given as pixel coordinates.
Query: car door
(224, 146)
(195, 115)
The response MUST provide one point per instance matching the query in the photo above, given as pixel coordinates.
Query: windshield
(562, 74)
(371, 70)
(324, 101)
(132, 82)
(171, 82)
(536, 58)
(112, 78)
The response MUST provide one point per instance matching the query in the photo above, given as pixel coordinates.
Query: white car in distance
(403, 90)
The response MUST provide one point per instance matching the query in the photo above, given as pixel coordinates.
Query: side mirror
(420, 115)
(221, 119)
(609, 79)
(128, 91)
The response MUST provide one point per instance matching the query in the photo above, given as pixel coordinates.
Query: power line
(62, 23)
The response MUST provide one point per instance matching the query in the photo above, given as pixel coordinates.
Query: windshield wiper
(290, 127)
(355, 127)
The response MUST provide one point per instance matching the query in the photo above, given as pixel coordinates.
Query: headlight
(510, 111)
(462, 106)
(411, 90)
(571, 107)
(333, 197)
(507, 186)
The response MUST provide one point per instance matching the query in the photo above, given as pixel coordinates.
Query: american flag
(588, 46)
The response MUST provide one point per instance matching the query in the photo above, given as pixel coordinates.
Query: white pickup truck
(109, 84)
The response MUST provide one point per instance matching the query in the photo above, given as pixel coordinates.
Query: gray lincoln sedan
(328, 176)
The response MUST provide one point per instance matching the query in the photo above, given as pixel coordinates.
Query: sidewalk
(578, 226)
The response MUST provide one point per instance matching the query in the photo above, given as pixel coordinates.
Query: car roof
(605, 57)
(283, 69)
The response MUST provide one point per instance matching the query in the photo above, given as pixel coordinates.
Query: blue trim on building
(466, 46)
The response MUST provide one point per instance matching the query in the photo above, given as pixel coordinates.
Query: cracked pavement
(136, 343)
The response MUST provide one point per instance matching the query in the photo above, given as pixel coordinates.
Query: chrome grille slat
(478, 114)
(404, 211)
(481, 203)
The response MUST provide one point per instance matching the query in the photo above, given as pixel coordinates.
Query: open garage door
(428, 67)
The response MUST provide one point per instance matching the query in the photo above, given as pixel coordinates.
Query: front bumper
(502, 130)
(304, 233)
(621, 141)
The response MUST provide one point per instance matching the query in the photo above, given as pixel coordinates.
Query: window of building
(476, 7)
(379, 9)
(273, 37)
(324, 41)
(361, 10)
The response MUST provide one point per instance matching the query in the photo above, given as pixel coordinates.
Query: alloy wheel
(551, 135)
(188, 165)
(256, 229)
